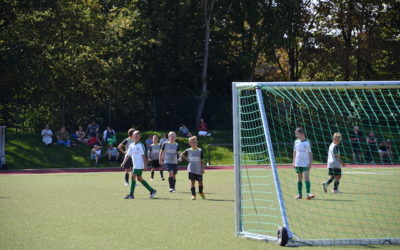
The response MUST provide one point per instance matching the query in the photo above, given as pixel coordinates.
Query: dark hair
(130, 132)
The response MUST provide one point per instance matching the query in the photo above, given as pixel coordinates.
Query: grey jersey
(126, 143)
(332, 152)
(194, 157)
(154, 150)
(170, 152)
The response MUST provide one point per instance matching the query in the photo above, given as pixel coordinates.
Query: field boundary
(216, 167)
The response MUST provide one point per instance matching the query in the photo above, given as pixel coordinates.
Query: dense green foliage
(140, 62)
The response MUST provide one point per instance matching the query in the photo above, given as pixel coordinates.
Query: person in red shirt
(203, 128)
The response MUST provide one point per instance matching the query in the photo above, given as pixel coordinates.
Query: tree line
(156, 64)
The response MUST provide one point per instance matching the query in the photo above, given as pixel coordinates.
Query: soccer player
(334, 165)
(136, 151)
(123, 148)
(194, 156)
(169, 156)
(302, 159)
(153, 154)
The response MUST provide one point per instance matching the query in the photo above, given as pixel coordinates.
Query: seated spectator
(93, 129)
(95, 154)
(93, 140)
(384, 151)
(81, 135)
(109, 136)
(371, 143)
(356, 138)
(203, 127)
(163, 139)
(47, 135)
(112, 153)
(63, 137)
(184, 131)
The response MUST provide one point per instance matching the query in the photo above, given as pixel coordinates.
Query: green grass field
(87, 211)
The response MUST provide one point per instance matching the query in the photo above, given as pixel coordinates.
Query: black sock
(162, 174)
(152, 174)
(200, 189)
(126, 177)
(329, 181)
(193, 191)
(335, 185)
(171, 181)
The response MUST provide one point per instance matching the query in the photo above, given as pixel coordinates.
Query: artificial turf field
(87, 211)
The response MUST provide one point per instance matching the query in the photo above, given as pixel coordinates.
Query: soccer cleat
(336, 191)
(152, 194)
(152, 179)
(298, 197)
(126, 184)
(171, 190)
(129, 197)
(193, 197)
(202, 196)
(325, 187)
(310, 196)
(162, 179)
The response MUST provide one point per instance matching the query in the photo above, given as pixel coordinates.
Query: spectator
(112, 153)
(93, 129)
(356, 137)
(184, 131)
(63, 137)
(96, 153)
(371, 143)
(109, 136)
(203, 127)
(384, 151)
(81, 135)
(93, 140)
(47, 135)
(149, 141)
(163, 139)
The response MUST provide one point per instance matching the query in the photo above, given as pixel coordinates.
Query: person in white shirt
(136, 151)
(334, 164)
(47, 135)
(302, 159)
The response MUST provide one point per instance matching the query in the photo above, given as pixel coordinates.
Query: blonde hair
(192, 138)
(337, 136)
(171, 133)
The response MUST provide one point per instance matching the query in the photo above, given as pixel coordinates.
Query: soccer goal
(367, 114)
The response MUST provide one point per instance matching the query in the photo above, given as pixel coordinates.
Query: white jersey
(332, 160)
(136, 152)
(303, 150)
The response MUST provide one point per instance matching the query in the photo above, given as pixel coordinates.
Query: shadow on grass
(334, 200)
(219, 200)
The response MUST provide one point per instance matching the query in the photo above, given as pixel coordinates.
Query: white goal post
(265, 115)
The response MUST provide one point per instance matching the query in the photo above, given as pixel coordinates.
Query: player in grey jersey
(123, 148)
(194, 156)
(153, 154)
(169, 157)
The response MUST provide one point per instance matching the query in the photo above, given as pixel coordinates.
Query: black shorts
(155, 164)
(196, 177)
(128, 164)
(335, 171)
(172, 167)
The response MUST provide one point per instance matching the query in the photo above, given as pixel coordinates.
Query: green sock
(308, 186)
(146, 185)
(133, 185)
(299, 187)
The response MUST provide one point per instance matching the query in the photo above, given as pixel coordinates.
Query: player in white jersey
(302, 159)
(334, 164)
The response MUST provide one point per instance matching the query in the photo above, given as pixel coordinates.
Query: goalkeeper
(334, 164)
(302, 158)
